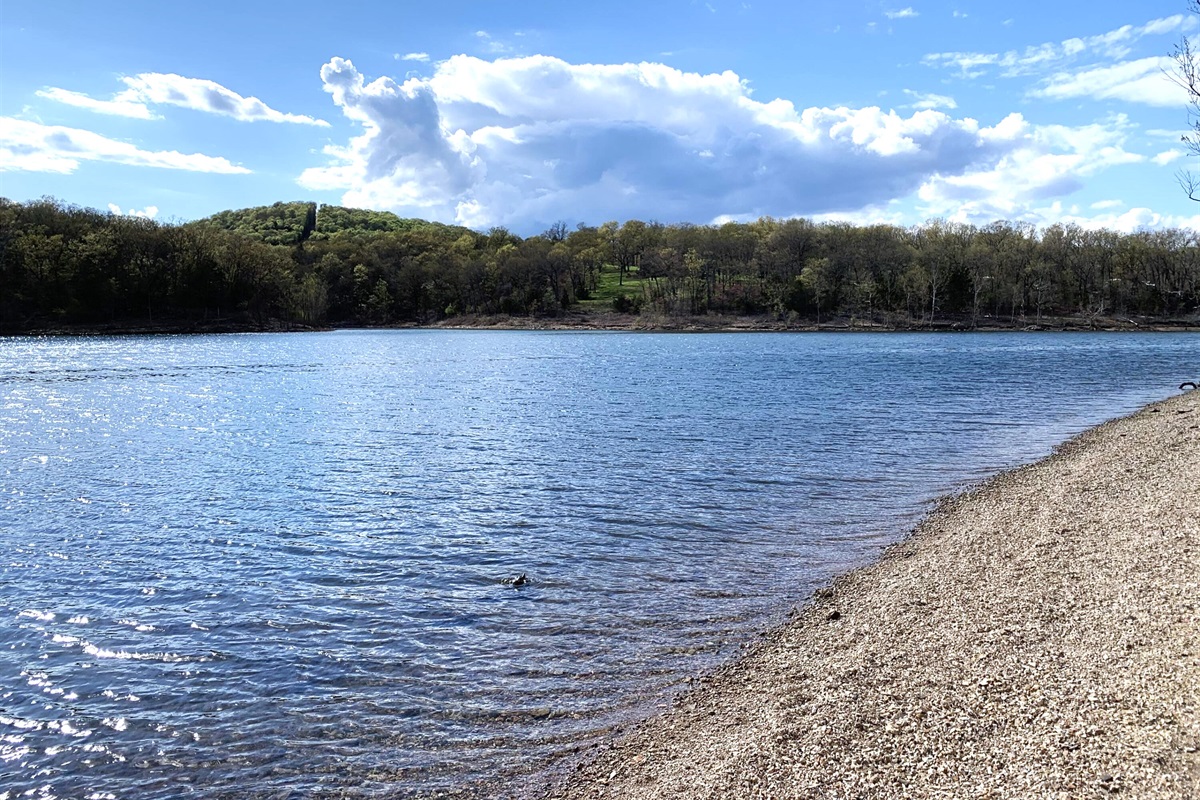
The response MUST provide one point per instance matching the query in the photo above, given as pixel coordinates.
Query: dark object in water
(518, 581)
(1188, 383)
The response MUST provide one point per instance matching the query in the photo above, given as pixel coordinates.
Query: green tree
(818, 280)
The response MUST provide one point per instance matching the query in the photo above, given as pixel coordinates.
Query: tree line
(295, 263)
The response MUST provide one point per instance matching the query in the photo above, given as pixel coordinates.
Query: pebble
(1050, 667)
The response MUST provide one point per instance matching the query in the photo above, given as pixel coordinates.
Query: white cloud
(491, 44)
(156, 88)
(1171, 135)
(1044, 162)
(150, 212)
(404, 158)
(522, 141)
(412, 57)
(1140, 81)
(33, 147)
(904, 13)
(929, 100)
(1130, 221)
(1036, 59)
(121, 107)
(1166, 157)
(863, 217)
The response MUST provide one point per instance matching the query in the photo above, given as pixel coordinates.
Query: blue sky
(522, 114)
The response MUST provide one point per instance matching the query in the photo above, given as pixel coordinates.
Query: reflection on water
(275, 563)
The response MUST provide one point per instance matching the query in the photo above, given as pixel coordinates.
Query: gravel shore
(1036, 637)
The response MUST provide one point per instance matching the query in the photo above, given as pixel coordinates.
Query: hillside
(339, 220)
(295, 222)
(297, 263)
(279, 223)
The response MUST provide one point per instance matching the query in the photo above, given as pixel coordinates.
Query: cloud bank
(155, 88)
(525, 141)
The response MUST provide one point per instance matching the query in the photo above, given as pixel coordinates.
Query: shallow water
(274, 564)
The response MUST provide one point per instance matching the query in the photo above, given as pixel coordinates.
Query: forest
(303, 265)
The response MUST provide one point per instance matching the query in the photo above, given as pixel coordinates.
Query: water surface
(273, 565)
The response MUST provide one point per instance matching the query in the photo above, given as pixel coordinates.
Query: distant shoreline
(731, 324)
(612, 321)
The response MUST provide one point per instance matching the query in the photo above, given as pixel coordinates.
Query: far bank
(616, 321)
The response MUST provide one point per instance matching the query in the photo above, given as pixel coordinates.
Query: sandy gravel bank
(1038, 637)
(726, 323)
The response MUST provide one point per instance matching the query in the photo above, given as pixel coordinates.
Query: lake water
(273, 565)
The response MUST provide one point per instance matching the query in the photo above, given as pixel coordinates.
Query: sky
(521, 115)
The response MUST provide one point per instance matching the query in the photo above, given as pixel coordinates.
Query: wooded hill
(294, 223)
(296, 263)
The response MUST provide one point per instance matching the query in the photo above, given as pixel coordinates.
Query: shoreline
(718, 323)
(631, 323)
(1035, 635)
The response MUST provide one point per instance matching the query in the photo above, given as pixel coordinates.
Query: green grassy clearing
(607, 289)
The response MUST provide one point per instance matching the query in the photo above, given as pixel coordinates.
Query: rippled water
(273, 565)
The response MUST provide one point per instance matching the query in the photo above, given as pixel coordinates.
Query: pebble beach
(1037, 636)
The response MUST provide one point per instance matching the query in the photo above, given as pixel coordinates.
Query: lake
(275, 564)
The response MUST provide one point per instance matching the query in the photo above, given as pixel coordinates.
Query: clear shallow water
(272, 565)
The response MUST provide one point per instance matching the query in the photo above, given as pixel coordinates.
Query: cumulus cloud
(526, 141)
(1130, 221)
(904, 13)
(1032, 60)
(34, 147)
(404, 158)
(155, 88)
(1050, 161)
(412, 57)
(150, 212)
(1166, 157)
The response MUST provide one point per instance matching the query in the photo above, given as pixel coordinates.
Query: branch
(1190, 184)
(1187, 75)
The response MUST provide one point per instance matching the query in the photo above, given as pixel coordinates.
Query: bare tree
(1187, 75)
